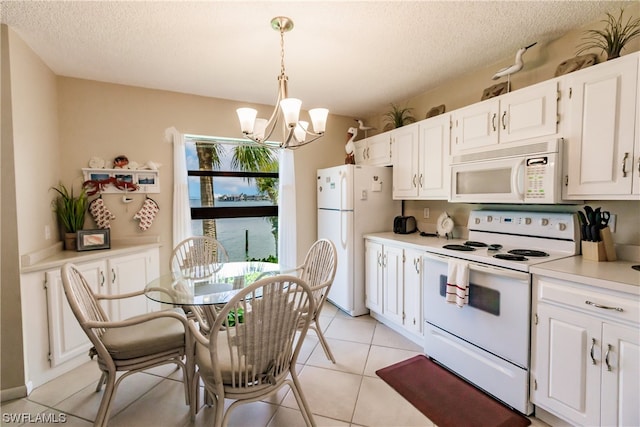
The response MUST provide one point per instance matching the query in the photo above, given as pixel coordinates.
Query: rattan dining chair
(318, 271)
(197, 258)
(252, 348)
(131, 345)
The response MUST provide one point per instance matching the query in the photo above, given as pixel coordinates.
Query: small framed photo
(88, 240)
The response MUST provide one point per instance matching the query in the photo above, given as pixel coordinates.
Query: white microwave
(530, 174)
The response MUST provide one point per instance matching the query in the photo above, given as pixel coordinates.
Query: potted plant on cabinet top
(613, 37)
(398, 117)
(70, 211)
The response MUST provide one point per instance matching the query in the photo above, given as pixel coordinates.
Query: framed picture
(88, 240)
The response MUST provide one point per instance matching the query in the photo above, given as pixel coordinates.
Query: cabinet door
(373, 275)
(620, 376)
(379, 150)
(360, 152)
(66, 338)
(413, 291)
(393, 296)
(566, 364)
(130, 273)
(636, 149)
(434, 174)
(475, 126)
(529, 113)
(405, 161)
(601, 136)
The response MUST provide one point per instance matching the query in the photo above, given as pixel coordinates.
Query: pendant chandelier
(296, 132)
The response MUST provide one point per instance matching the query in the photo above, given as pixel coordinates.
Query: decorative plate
(97, 163)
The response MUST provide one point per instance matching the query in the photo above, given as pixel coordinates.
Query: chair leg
(302, 401)
(323, 342)
(102, 380)
(102, 418)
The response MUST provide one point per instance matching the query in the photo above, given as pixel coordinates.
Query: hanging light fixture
(295, 131)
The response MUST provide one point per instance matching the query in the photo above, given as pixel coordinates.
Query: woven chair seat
(153, 336)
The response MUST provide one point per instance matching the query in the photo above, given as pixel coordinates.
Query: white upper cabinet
(433, 165)
(601, 106)
(404, 148)
(374, 151)
(527, 113)
(421, 159)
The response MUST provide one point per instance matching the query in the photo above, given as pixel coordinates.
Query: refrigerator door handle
(344, 217)
(343, 189)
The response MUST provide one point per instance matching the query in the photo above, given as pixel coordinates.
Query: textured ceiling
(353, 57)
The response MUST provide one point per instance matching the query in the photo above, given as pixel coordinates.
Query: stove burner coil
(528, 252)
(494, 247)
(459, 248)
(474, 244)
(510, 257)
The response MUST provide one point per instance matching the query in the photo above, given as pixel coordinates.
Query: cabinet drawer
(618, 307)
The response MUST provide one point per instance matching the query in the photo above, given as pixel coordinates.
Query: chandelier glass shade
(295, 132)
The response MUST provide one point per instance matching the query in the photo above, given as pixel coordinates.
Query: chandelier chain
(282, 51)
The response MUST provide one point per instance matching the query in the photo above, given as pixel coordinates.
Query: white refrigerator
(353, 200)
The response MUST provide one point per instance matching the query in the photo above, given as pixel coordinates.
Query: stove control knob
(489, 218)
(562, 226)
(544, 222)
(527, 221)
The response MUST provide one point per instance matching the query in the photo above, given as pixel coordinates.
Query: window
(233, 193)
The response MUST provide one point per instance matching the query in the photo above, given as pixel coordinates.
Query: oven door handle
(518, 275)
(488, 269)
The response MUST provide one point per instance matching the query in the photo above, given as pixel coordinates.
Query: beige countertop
(614, 275)
(55, 257)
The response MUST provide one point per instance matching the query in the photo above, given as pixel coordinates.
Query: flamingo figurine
(513, 68)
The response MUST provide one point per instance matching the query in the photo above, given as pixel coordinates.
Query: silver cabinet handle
(416, 264)
(593, 344)
(504, 116)
(624, 165)
(604, 307)
(380, 260)
(414, 180)
(638, 166)
(421, 181)
(113, 274)
(606, 357)
(493, 122)
(101, 278)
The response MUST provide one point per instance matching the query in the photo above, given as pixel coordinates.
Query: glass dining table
(178, 288)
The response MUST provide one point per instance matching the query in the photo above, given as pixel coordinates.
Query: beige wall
(31, 168)
(107, 120)
(541, 62)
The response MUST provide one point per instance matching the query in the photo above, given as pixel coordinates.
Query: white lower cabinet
(393, 286)
(55, 343)
(67, 339)
(585, 363)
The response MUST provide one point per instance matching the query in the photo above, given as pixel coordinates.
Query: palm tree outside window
(233, 195)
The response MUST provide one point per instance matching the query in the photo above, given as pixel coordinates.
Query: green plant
(613, 37)
(398, 117)
(70, 209)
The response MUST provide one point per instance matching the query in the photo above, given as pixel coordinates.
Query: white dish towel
(458, 283)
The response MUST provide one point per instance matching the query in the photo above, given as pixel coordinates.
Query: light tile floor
(347, 393)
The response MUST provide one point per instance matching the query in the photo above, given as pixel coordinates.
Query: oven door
(493, 181)
(497, 316)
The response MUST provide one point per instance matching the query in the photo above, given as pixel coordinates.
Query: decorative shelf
(122, 180)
